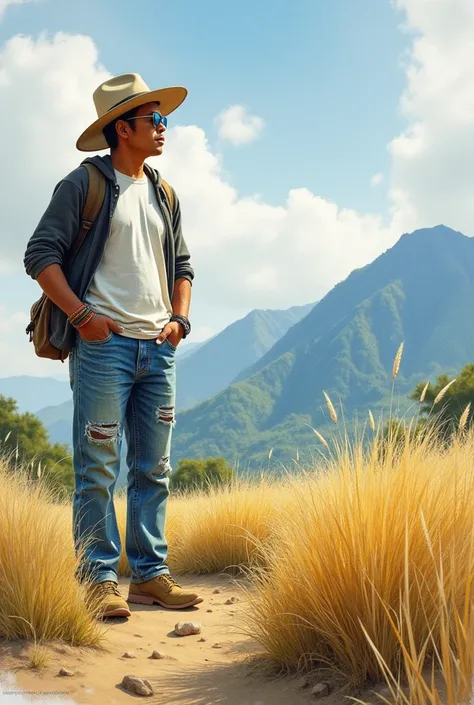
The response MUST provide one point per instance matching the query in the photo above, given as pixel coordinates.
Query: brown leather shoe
(111, 602)
(164, 591)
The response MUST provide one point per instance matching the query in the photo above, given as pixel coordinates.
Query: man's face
(143, 136)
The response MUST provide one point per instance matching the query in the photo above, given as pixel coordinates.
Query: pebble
(140, 686)
(202, 639)
(209, 611)
(66, 672)
(232, 601)
(128, 654)
(216, 591)
(321, 690)
(187, 628)
(217, 646)
(157, 654)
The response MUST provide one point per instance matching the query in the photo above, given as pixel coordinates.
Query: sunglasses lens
(159, 119)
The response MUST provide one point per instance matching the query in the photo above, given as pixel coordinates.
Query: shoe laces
(168, 581)
(109, 588)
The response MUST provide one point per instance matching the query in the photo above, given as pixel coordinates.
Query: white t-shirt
(130, 284)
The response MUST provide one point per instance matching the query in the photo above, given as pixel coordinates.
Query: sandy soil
(194, 672)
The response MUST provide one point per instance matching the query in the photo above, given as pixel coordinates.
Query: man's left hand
(173, 331)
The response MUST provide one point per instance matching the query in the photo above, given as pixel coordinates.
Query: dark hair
(109, 131)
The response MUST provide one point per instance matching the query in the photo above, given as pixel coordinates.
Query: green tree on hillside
(194, 474)
(25, 444)
(453, 403)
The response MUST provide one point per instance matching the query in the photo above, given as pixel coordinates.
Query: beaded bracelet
(88, 319)
(82, 315)
(76, 312)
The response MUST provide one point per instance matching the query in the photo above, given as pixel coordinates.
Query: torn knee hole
(164, 465)
(103, 433)
(166, 414)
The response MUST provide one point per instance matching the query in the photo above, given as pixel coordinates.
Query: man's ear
(121, 127)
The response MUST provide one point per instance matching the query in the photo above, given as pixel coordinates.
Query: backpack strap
(169, 194)
(94, 200)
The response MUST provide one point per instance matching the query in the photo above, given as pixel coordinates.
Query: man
(121, 309)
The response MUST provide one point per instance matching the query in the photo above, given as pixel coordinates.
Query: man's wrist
(184, 322)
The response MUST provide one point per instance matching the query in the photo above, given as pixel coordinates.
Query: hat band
(125, 100)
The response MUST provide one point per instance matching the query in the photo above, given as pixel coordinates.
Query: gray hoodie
(57, 230)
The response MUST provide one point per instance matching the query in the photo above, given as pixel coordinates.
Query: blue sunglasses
(156, 118)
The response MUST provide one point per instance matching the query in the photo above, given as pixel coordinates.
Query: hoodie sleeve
(57, 229)
(183, 269)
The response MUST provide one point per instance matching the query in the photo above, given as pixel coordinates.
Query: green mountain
(420, 292)
(216, 364)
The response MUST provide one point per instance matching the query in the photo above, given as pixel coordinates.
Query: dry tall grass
(365, 566)
(221, 529)
(373, 574)
(39, 596)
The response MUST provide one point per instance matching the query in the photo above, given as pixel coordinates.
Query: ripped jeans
(121, 384)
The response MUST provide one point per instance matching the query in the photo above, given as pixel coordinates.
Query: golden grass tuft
(39, 596)
(220, 529)
(331, 409)
(423, 393)
(442, 392)
(320, 438)
(397, 361)
(464, 417)
(353, 576)
(39, 656)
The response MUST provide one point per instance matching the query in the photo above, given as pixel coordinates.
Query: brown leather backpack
(40, 314)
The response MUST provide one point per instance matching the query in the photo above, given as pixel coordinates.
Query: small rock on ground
(321, 690)
(140, 686)
(232, 601)
(216, 591)
(202, 639)
(187, 628)
(303, 683)
(157, 655)
(66, 672)
(128, 654)
(209, 611)
(217, 646)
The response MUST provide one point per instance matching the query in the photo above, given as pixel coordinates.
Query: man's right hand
(99, 328)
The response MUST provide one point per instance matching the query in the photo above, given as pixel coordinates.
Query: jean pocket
(173, 347)
(98, 342)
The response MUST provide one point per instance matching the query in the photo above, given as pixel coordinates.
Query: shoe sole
(145, 600)
(119, 612)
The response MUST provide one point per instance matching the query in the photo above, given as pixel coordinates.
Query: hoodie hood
(104, 164)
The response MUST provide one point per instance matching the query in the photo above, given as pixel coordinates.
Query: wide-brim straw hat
(119, 95)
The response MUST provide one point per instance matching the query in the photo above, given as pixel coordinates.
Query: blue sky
(346, 90)
(325, 76)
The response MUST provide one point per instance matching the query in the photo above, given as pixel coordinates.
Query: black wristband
(184, 323)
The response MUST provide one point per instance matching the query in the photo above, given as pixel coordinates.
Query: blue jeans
(122, 384)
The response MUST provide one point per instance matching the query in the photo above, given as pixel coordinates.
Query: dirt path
(193, 672)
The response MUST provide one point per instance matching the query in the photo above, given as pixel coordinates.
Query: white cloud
(4, 4)
(237, 126)
(46, 90)
(376, 179)
(432, 160)
(16, 353)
